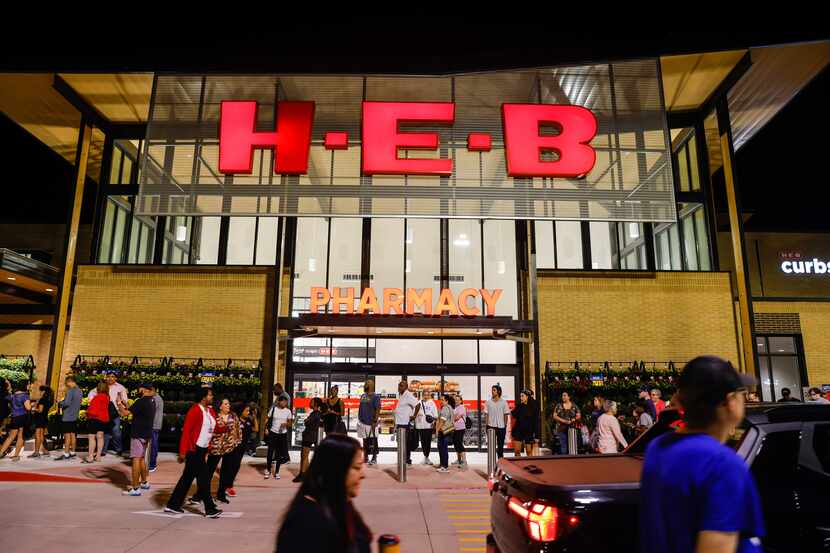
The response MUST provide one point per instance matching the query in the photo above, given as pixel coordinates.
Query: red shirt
(191, 429)
(659, 405)
(98, 408)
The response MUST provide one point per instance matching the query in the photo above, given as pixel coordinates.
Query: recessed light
(11, 278)
(430, 332)
(50, 290)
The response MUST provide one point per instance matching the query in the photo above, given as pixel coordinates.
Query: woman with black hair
(322, 517)
(21, 406)
(333, 419)
(525, 432)
(41, 417)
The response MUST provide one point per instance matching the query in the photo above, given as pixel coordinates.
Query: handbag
(430, 419)
(468, 422)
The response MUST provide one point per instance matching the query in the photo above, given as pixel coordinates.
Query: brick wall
(29, 342)
(216, 312)
(814, 318)
(618, 317)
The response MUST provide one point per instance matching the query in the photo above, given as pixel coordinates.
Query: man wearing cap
(696, 494)
(143, 411)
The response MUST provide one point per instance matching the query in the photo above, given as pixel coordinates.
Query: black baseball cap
(709, 379)
(147, 386)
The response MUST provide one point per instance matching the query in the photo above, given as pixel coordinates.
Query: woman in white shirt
(280, 420)
(608, 430)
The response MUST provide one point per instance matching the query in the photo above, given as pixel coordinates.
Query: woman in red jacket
(97, 422)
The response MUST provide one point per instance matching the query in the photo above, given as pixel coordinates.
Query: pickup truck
(590, 502)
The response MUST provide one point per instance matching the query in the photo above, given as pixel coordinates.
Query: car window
(821, 444)
(734, 441)
(776, 461)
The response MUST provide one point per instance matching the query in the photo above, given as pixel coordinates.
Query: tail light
(543, 522)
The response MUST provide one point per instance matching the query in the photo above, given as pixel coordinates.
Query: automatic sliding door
(306, 386)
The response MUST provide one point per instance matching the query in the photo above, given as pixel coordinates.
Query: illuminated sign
(394, 301)
(385, 132)
(814, 266)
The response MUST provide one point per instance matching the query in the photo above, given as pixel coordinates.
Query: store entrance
(463, 381)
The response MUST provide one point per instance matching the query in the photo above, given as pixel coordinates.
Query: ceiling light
(181, 233)
(11, 278)
(633, 230)
(430, 332)
(410, 235)
(312, 264)
(50, 290)
(501, 267)
(462, 241)
(408, 266)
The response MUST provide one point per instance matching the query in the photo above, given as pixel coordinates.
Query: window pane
(344, 262)
(241, 241)
(702, 240)
(126, 170)
(115, 167)
(106, 233)
(763, 369)
(118, 240)
(661, 243)
(206, 240)
(386, 260)
(695, 185)
(407, 351)
(781, 344)
(135, 233)
(785, 374)
(309, 260)
(465, 255)
(497, 351)
(460, 351)
(423, 255)
(601, 248)
(674, 244)
(266, 241)
(568, 245)
(348, 350)
(311, 350)
(500, 264)
(545, 254)
(761, 344)
(689, 246)
(683, 169)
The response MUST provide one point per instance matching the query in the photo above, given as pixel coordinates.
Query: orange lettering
(490, 300)
(368, 302)
(390, 303)
(464, 307)
(347, 300)
(319, 298)
(422, 300)
(446, 303)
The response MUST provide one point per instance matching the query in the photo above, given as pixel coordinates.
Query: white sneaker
(131, 491)
(267, 475)
(426, 461)
(145, 485)
(277, 477)
(442, 470)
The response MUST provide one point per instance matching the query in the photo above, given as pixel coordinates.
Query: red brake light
(542, 520)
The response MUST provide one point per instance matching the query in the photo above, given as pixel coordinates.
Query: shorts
(41, 421)
(138, 447)
(94, 426)
(366, 431)
(19, 422)
(69, 427)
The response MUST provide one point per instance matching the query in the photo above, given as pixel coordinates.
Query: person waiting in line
(279, 424)
(333, 414)
(226, 437)
(496, 412)
(322, 517)
(97, 421)
(459, 419)
(425, 416)
(20, 420)
(233, 462)
(814, 396)
(642, 420)
(645, 395)
(786, 396)
(659, 404)
(143, 411)
(5, 406)
(444, 429)
(71, 405)
(199, 424)
(404, 415)
(309, 436)
(158, 421)
(609, 434)
(118, 397)
(40, 414)
(696, 493)
(525, 431)
(367, 422)
(252, 428)
(566, 415)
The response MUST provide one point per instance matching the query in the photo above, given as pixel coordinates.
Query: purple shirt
(460, 424)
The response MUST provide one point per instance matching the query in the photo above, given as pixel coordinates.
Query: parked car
(590, 502)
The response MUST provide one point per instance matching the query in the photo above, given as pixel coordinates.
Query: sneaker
(223, 500)
(71, 454)
(154, 469)
(456, 463)
(373, 461)
(177, 510)
(267, 475)
(131, 491)
(34, 455)
(409, 461)
(214, 513)
(193, 501)
(277, 477)
(230, 492)
(145, 485)
(426, 461)
(442, 470)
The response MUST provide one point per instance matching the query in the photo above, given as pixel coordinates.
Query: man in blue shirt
(367, 422)
(697, 495)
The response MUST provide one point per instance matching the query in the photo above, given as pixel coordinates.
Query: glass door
(508, 393)
(780, 367)
(306, 386)
(466, 387)
(349, 390)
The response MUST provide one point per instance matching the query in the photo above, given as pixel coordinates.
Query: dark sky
(781, 171)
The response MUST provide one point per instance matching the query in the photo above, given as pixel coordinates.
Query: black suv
(590, 502)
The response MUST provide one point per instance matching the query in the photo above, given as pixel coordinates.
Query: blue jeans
(563, 442)
(114, 436)
(443, 450)
(154, 449)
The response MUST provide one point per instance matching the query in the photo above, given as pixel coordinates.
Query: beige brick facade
(642, 316)
(815, 333)
(211, 312)
(28, 342)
